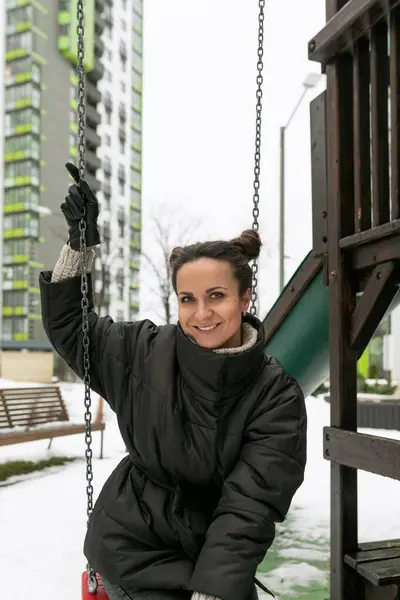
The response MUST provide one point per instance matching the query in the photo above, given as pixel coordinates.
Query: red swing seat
(99, 595)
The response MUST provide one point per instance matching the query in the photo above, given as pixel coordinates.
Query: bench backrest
(29, 407)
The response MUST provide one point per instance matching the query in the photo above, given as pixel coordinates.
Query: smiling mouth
(206, 329)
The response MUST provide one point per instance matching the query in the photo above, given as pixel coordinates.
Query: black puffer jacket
(217, 449)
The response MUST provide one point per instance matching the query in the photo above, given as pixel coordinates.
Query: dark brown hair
(238, 252)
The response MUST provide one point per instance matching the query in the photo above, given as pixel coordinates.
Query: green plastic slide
(301, 343)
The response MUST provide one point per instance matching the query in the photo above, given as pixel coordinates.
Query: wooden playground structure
(356, 223)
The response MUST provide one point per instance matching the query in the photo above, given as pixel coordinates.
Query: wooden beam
(362, 150)
(365, 237)
(381, 251)
(373, 304)
(350, 23)
(379, 124)
(318, 175)
(291, 295)
(362, 451)
(395, 111)
(344, 583)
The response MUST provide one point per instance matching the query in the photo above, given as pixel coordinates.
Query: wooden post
(342, 298)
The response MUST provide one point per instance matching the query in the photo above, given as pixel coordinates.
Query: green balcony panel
(15, 207)
(16, 53)
(67, 44)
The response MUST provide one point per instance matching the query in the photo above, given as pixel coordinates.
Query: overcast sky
(199, 120)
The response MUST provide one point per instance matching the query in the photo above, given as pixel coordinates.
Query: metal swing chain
(257, 155)
(92, 580)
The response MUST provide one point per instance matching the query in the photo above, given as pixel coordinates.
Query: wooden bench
(379, 564)
(37, 413)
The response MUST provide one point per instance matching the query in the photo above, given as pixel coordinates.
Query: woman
(215, 430)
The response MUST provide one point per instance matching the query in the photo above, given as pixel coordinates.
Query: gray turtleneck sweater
(69, 265)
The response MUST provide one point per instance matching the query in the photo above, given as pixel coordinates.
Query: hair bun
(249, 243)
(176, 252)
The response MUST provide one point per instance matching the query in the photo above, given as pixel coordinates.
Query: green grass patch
(24, 467)
(304, 559)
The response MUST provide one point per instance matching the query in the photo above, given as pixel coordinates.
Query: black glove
(81, 201)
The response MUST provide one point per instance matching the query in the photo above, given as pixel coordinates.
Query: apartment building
(39, 117)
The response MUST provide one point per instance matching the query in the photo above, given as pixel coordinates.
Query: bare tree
(168, 229)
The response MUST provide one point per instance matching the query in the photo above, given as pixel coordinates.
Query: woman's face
(210, 307)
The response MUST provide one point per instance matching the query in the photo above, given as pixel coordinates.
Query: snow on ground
(43, 515)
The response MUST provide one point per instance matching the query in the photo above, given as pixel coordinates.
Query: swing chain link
(257, 155)
(92, 579)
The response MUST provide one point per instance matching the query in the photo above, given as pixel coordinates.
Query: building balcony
(92, 181)
(106, 189)
(92, 161)
(93, 118)
(98, 46)
(122, 112)
(93, 96)
(98, 24)
(121, 215)
(107, 167)
(108, 104)
(108, 18)
(123, 51)
(93, 140)
(97, 72)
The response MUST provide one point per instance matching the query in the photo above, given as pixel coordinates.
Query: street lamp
(311, 81)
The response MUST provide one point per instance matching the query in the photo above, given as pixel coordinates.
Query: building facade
(40, 134)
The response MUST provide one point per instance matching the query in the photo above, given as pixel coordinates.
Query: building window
(137, 22)
(25, 169)
(137, 42)
(135, 197)
(136, 140)
(20, 40)
(136, 80)
(137, 100)
(26, 222)
(27, 196)
(16, 298)
(136, 158)
(19, 15)
(136, 119)
(16, 273)
(137, 62)
(26, 91)
(27, 118)
(27, 145)
(7, 330)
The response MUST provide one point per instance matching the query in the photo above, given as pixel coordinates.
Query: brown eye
(217, 295)
(186, 299)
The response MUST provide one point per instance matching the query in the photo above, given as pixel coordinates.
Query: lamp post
(311, 81)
